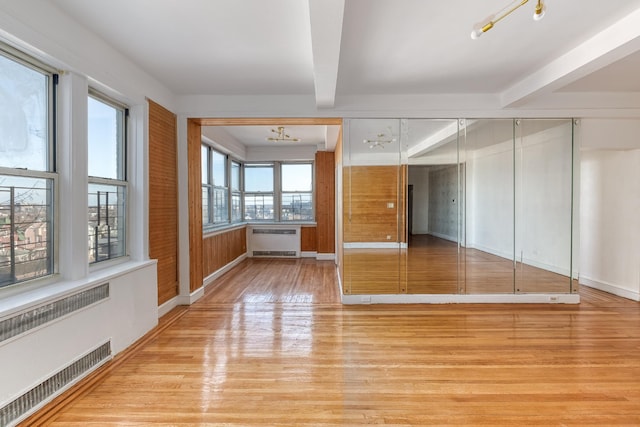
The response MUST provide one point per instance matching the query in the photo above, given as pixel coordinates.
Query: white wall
(39, 29)
(610, 206)
(542, 198)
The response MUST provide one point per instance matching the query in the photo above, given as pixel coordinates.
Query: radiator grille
(274, 253)
(25, 321)
(273, 231)
(34, 397)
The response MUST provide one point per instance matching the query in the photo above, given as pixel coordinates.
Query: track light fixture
(538, 14)
(281, 136)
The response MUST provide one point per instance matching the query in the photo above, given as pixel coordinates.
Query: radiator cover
(273, 241)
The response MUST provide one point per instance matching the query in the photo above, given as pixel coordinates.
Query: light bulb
(475, 34)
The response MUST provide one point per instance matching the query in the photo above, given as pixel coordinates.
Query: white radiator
(273, 241)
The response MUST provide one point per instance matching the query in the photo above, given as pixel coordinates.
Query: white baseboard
(339, 280)
(610, 288)
(167, 306)
(308, 254)
(375, 245)
(219, 272)
(462, 299)
(326, 257)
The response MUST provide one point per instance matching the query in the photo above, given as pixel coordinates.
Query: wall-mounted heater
(273, 241)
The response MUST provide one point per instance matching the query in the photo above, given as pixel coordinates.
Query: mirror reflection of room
(481, 207)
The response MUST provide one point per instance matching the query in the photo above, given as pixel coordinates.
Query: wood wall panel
(220, 249)
(163, 199)
(194, 142)
(325, 201)
(308, 242)
(367, 190)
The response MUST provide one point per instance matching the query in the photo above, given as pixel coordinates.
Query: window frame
(122, 172)
(273, 193)
(311, 192)
(50, 173)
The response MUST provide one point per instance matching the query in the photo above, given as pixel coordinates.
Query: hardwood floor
(432, 265)
(269, 344)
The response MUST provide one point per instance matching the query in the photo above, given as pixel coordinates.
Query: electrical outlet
(390, 205)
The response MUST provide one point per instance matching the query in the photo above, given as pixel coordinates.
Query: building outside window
(107, 122)
(27, 168)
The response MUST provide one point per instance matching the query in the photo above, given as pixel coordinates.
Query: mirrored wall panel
(471, 206)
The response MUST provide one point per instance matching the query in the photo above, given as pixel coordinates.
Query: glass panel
(235, 176)
(204, 164)
(297, 177)
(106, 221)
(236, 207)
(220, 205)
(219, 164)
(435, 204)
(26, 233)
(105, 140)
(23, 116)
(487, 243)
(205, 205)
(296, 207)
(258, 178)
(258, 207)
(373, 207)
(543, 159)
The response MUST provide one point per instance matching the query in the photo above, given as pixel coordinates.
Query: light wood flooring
(270, 345)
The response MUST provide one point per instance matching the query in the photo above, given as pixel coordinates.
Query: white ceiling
(337, 48)
(336, 51)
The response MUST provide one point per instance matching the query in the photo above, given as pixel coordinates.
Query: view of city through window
(26, 181)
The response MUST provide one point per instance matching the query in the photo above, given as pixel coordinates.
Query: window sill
(36, 295)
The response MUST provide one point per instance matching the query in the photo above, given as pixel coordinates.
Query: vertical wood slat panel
(219, 250)
(194, 139)
(163, 199)
(308, 242)
(325, 201)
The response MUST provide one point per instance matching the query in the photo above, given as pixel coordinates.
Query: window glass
(297, 177)
(219, 169)
(258, 178)
(235, 176)
(27, 179)
(24, 114)
(204, 165)
(105, 139)
(107, 199)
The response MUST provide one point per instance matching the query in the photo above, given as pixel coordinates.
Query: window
(27, 171)
(296, 201)
(107, 178)
(258, 192)
(215, 187)
(236, 192)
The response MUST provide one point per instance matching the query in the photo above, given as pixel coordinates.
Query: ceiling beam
(326, 35)
(610, 45)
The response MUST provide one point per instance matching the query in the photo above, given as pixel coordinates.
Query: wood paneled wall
(194, 143)
(163, 198)
(220, 249)
(367, 192)
(308, 241)
(325, 201)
